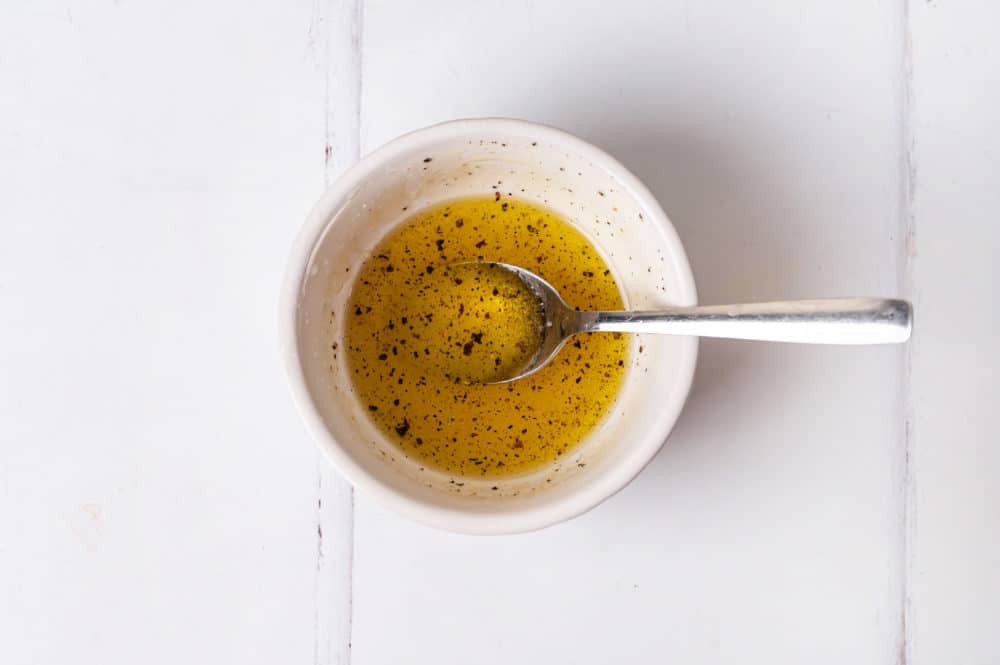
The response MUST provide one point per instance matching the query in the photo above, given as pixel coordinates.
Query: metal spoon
(826, 321)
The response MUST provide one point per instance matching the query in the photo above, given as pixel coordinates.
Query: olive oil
(480, 322)
(429, 323)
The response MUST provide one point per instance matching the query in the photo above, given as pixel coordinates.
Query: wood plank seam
(905, 267)
(340, 23)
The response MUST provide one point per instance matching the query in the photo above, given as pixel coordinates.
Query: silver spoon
(826, 321)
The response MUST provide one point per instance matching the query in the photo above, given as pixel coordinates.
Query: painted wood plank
(770, 528)
(954, 509)
(158, 495)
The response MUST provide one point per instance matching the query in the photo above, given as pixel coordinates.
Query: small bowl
(479, 157)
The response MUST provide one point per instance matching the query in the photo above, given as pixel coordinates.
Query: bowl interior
(519, 160)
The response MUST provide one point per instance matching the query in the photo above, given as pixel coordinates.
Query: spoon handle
(827, 321)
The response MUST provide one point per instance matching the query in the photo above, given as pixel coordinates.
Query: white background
(160, 501)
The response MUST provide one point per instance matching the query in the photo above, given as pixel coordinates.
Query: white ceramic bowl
(468, 157)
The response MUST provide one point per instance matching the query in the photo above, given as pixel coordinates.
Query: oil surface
(421, 324)
(478, 322)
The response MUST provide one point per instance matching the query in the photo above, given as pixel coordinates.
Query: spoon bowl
(559, 323)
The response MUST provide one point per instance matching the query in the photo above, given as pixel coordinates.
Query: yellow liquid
(421, 326)
(477, 322)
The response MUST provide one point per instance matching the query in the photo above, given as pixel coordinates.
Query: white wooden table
(160, 501)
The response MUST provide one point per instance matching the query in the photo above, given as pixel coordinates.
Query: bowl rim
(509, 520)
